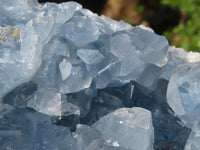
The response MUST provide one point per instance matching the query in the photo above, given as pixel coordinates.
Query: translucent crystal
(177, 56)
(194, 138)
(65, 65)
(80, 30)
(149, 76)
(121, 46)
(18, 55)
(84, 135)
(153, 48)
(47, 74)
(47, 101)
(90, 56)
(59, 11)
(183, 93)
(77, 78)
(17, 11)
(135, 122)
(108, 26)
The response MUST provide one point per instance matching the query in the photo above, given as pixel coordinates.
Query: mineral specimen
(66, 75)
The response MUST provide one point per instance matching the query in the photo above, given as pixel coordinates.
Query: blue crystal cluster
(73, 80)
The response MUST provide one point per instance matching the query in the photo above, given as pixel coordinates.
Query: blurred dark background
(178, 20)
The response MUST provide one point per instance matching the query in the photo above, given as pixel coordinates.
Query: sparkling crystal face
(73, 80)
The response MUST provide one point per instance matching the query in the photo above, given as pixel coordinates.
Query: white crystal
(65, 69)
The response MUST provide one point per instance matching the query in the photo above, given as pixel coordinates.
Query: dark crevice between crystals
(168, 130)
(69, 121)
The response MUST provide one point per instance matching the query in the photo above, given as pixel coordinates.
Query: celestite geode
(73, 80)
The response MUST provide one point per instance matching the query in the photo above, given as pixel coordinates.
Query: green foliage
(187, 34)
(140, 9)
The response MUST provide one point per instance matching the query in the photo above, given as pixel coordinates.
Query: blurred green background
(178, 20)
(187, 33)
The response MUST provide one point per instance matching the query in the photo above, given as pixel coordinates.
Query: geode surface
(73, 80)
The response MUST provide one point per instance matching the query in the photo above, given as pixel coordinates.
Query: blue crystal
(78, 71)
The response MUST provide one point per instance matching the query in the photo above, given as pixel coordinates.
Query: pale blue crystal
(135, 122)
(80, 29)
(109, 131)
(183, 93)
(194, 138)
(121, 46)
(47, 101)
(90, 56)
(74, 66)
(18, 55)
